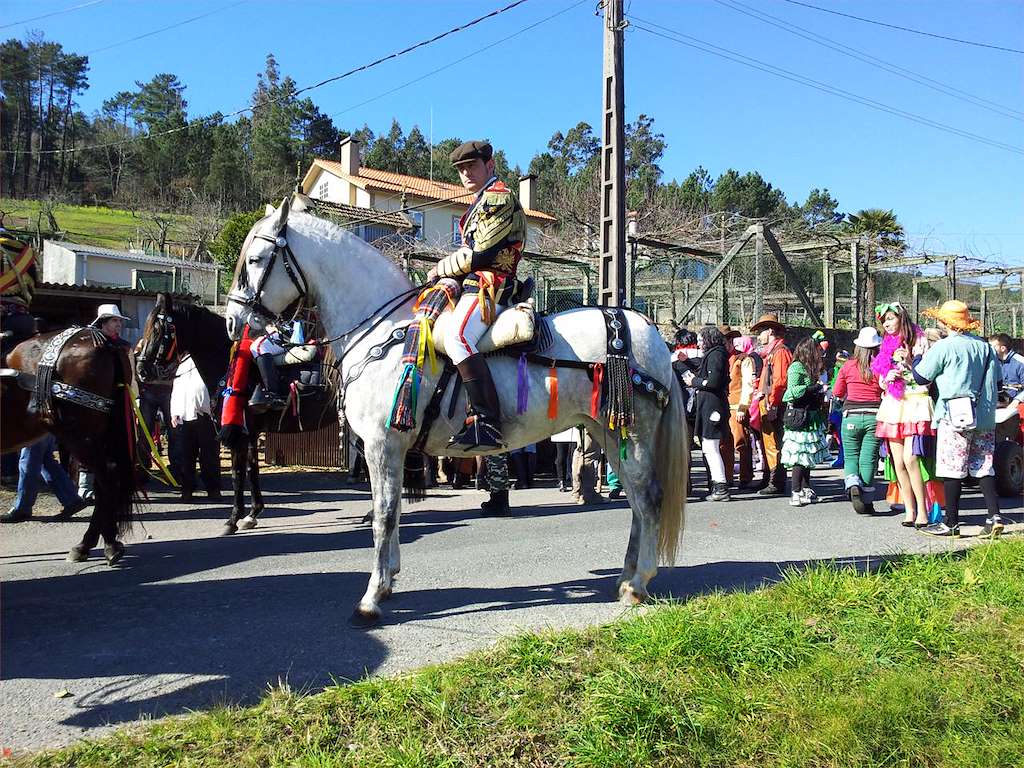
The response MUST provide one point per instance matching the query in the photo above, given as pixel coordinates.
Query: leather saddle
(515, 325)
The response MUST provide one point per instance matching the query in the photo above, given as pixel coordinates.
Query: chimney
(350, 156)
(528, 192)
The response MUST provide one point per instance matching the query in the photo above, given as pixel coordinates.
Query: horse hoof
(627, 596)
(363, 618)
(113, 552)
(78, 555)
(228, 529)
(248, 523)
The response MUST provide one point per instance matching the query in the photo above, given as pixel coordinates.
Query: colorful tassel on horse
(522, 386)
(403, 405)
(553, 392)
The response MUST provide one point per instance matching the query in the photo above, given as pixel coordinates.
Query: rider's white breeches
(466, 328)
(265, 345)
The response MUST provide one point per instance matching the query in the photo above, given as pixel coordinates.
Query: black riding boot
(482, 429)
(266, 395)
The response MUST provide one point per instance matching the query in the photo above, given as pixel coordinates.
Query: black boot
(482, 429)
(496, 506)
(266, 394)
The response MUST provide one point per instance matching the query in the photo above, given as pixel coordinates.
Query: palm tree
(885, 235)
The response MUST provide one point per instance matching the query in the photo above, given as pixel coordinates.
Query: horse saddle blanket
(300, 355)
(513, 325)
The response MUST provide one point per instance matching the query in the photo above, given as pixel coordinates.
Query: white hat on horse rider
(107, 311)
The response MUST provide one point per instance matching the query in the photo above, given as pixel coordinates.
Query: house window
(456, 237)
(322, 190)
(417, 221)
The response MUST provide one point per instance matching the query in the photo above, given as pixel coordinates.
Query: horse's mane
(330, 235)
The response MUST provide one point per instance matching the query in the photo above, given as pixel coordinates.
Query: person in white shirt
(197, 435)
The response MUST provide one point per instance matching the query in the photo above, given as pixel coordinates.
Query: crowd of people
(921, 402)
(924, 402)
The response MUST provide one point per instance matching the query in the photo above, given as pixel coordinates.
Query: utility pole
(613, 271)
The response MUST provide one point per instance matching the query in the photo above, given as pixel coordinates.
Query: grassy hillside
(918, 664)
(108, 227)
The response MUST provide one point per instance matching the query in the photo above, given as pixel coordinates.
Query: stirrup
(477, 433)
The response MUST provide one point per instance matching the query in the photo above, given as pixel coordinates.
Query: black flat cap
(470, 151)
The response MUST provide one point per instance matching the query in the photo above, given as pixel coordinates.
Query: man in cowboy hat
(771, 387)
(110, 322)
(966, 372)
(493, 233)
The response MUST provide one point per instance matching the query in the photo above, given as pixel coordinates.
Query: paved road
(190, 619)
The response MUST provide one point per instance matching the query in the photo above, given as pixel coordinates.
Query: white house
(435, 206)
(91, 265)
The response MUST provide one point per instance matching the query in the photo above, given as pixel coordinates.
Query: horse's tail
(673, 469)
(118, 471)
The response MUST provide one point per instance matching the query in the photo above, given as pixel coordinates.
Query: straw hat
(768, 321)
(954, 315)
(868, 338)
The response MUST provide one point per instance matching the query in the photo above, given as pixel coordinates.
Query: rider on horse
(493, 233)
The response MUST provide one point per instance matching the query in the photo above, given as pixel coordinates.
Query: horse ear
(268, 209)
(281, 215)
(300, 202)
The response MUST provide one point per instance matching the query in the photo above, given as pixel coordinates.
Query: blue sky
(953, 194)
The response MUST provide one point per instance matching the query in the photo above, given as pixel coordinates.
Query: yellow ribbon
(426, 350)
(152, 446)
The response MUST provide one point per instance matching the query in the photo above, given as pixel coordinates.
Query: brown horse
(90, 413)
(176, 329)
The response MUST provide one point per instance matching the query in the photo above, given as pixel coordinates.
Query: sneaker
(15, 515)
(719, 492)
(616, 493)
(798, 499)
(993, 526)
(941, 529)
(810, 495)
(771, 490)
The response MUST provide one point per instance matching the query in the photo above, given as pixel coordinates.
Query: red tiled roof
(385, 181)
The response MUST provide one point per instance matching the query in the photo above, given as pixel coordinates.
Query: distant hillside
(109, 227)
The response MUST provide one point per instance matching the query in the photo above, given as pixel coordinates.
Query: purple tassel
(522, 387)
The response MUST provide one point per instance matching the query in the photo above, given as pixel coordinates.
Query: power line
(904, 29)
(243, 110)
(872, 60)
(52, 13)
(163, 29)
(451, 64)
(786, 74)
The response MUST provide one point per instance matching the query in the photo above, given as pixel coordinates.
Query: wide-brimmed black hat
(470, 151)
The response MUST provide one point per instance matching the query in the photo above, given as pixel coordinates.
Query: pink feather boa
(883, 362)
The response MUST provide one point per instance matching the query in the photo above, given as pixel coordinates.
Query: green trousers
(860, 449)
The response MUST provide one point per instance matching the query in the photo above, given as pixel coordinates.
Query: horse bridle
(165, 355)
(291, 267)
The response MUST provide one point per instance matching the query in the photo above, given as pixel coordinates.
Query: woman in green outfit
(803, 443)
(857, 386)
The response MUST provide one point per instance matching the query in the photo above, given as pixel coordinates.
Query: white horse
(349, 281)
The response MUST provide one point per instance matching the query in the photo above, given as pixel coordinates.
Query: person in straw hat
(771, 388)
(857, 387)
(966, 373)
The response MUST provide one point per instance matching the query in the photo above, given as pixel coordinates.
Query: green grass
(918, 664)
(108, 227)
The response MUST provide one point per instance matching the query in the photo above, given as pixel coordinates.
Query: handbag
(798, 414)
(961, 411)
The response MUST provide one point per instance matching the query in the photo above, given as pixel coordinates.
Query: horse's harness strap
(434, 406)
(82, 397)
(45, 387)
(291, 268)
